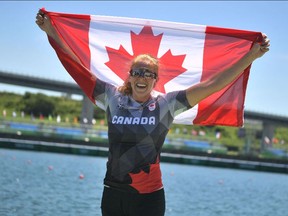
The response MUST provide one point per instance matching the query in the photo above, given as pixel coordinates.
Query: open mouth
(141, 85)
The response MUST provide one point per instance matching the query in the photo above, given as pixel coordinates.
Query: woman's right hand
(44, 22)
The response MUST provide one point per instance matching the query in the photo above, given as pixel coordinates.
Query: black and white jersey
(136, 134)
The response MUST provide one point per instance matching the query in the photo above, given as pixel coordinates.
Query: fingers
(266, 40)
(264, 46)
(264, 49)
(42, 20)
(41, 17)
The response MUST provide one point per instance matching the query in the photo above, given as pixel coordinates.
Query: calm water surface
(47, 184)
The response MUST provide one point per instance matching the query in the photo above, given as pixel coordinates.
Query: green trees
(37, 104)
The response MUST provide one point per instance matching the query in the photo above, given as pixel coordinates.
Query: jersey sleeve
(177, 102)
(102, 92)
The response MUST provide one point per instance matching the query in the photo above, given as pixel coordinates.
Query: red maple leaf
(146, 42)
(147, 181)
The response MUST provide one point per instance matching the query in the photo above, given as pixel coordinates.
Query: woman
(138, 124)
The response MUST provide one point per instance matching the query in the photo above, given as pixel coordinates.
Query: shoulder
(173, 95)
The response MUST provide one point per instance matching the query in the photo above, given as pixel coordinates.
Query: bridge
(51, 85)
(269, 122)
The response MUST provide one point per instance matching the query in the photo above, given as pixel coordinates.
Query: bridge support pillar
(267, 135)
(87, 110)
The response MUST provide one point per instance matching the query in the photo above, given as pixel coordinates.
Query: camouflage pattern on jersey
(136, 135)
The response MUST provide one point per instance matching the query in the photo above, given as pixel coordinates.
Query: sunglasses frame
(143, 72)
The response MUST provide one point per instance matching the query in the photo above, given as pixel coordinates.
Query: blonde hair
(148, 59)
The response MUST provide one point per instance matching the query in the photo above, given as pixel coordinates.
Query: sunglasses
(143, 72)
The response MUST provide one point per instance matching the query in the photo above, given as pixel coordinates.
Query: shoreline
(167, 155)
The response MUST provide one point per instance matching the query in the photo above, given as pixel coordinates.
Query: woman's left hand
(259, 49)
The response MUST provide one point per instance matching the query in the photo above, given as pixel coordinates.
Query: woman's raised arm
(204, 89)
(45, 24)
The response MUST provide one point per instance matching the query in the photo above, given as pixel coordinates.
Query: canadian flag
(188, 54)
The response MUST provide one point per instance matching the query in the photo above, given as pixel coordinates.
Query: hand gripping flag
(188, 54)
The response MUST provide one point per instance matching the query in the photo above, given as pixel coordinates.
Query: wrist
(251, 55)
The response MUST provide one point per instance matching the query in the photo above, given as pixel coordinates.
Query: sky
(24, 48)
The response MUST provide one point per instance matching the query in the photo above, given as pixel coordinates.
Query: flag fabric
(187, 53)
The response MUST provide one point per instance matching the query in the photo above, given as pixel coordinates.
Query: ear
(129, 79)
(155, 82)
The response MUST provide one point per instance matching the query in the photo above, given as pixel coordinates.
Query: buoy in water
(81, 176)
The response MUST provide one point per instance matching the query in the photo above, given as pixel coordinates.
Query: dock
(166, 156)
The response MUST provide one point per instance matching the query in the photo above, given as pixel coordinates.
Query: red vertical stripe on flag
(223, 47)
(77, 71)
(74, 31)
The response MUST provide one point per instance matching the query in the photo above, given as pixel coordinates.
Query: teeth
(141, 85)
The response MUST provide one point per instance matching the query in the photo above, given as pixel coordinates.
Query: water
(47, 184)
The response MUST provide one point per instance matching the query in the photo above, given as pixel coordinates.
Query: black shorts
(120, 203)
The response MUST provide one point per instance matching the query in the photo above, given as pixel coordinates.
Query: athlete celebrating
(138, 123)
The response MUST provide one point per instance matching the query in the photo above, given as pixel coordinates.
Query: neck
(142, 99)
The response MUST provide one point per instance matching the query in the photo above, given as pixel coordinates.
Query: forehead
(145, 64)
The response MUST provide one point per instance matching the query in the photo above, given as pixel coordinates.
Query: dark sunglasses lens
(136, 73)
(148, 75)
(143, 72)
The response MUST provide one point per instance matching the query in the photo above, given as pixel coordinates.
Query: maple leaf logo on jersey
(148, 180)
(146, 42)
